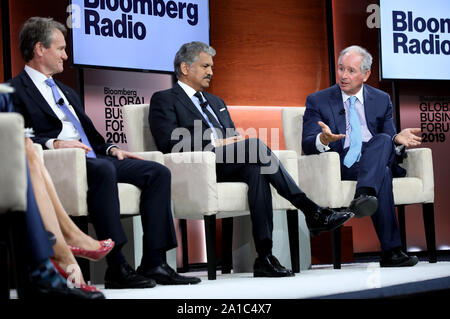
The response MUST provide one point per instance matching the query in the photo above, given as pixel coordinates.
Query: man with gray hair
(355, 120)
(187, 106)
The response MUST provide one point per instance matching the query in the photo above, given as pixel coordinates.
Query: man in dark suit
(186, 118)
(365, 138)
(56, 114)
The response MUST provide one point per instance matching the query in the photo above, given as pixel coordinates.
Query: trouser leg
(154, 180)
(374, 171)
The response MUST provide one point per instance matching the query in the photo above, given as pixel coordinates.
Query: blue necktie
(62, 105)
(216, 125)
(354, 152)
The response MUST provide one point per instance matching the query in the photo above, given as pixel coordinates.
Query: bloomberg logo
(432, 28)
(125, 27)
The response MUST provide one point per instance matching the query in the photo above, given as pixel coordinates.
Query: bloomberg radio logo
(420, 35)
(100, 16)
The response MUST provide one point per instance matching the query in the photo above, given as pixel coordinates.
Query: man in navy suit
(56, 114)
(186, 118)
(355, 120)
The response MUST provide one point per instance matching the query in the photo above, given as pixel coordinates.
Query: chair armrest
(13, 175)
(194, 183)
(419, 163)
(289, 160)
(39, 151)
(320, 178)
(67, 168)
(152, 156)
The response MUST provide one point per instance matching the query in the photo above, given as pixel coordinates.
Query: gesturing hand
(408, 137)
(327, 137)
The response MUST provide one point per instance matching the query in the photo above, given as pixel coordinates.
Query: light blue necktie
(354, 152)
(62, 105)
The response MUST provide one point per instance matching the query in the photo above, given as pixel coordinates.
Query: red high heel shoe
(84, 287)
(95, 255)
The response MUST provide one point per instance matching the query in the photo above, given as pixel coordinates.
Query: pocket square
(222, 109)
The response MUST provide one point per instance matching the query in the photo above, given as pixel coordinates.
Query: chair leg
(227, 245)
(428, 219)
(184, 244)
(294, 245)
(210, 234)
(19, 247)
(402, 225)
(336, 244)
(4, 272)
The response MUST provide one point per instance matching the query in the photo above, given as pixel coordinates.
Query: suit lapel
(187, 102)
(369, 108)
(34, 94)
(216, 109)
(336, 106)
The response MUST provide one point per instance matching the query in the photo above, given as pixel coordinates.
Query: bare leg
(72, 234)
(63, 255)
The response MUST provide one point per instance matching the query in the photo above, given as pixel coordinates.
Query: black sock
(151, 259)
(263, 247)
(365, 191)
(307, 206)
(115, 257)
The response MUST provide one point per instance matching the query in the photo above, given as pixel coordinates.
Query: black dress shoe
(325, 219)
(269, 266)
(363, 205)
(124, 277)
(397, 258)
(164, 275)
(62, 292)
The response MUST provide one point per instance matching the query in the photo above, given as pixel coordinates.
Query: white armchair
(196, 194)
(320, 179)
(13, 204)
(67, 168)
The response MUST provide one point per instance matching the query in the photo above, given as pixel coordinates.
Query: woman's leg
(72, 234)
(63, 255)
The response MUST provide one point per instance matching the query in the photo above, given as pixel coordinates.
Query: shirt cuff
(399, 149)
(320, 147)
(49, 143)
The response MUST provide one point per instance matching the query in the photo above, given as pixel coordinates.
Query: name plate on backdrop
(107, 91)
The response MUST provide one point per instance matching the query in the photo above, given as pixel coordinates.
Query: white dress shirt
(190, 92)
(68, 131)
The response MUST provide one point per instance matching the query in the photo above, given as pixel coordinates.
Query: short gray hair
(366, 61)
(34, 30)
(189, 52)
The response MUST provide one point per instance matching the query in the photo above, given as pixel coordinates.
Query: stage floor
(354, 280)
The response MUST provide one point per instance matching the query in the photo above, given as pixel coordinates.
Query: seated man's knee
(103, 169)
(159, 172)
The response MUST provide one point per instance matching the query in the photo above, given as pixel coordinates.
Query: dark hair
(34, 30)
(189, 52)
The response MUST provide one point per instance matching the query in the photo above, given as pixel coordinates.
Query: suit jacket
(38, 114)
(171, 109)
(327, 106)
(5, 103)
